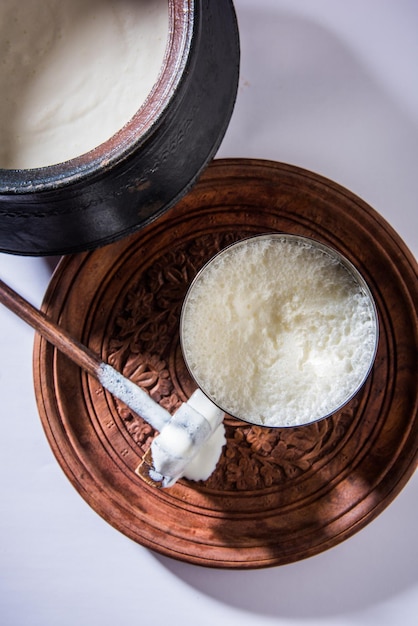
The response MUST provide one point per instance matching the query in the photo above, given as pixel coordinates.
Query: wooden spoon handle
(60, 338)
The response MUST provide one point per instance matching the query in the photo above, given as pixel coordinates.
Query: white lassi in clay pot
(73, 73)
(109, 112)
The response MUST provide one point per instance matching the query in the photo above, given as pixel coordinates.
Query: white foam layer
(278, 332)
(72, 73)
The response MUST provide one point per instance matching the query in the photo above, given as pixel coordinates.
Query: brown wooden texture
(59, 338)
(277, 495)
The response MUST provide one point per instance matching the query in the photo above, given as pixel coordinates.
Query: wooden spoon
(197, 418)
(117, 384)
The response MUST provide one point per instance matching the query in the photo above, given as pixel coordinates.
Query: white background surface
(328, 85)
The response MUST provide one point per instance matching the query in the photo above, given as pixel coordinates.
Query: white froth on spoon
(189, 442)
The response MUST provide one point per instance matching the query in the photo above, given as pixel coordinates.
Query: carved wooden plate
(277, 495)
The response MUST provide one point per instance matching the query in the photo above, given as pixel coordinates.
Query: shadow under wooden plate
(277, 495)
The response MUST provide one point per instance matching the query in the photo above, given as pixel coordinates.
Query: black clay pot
(147, 166)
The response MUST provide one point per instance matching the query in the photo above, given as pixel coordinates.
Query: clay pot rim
(181, 28)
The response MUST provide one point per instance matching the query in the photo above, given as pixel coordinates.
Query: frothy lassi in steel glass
(279, 330)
